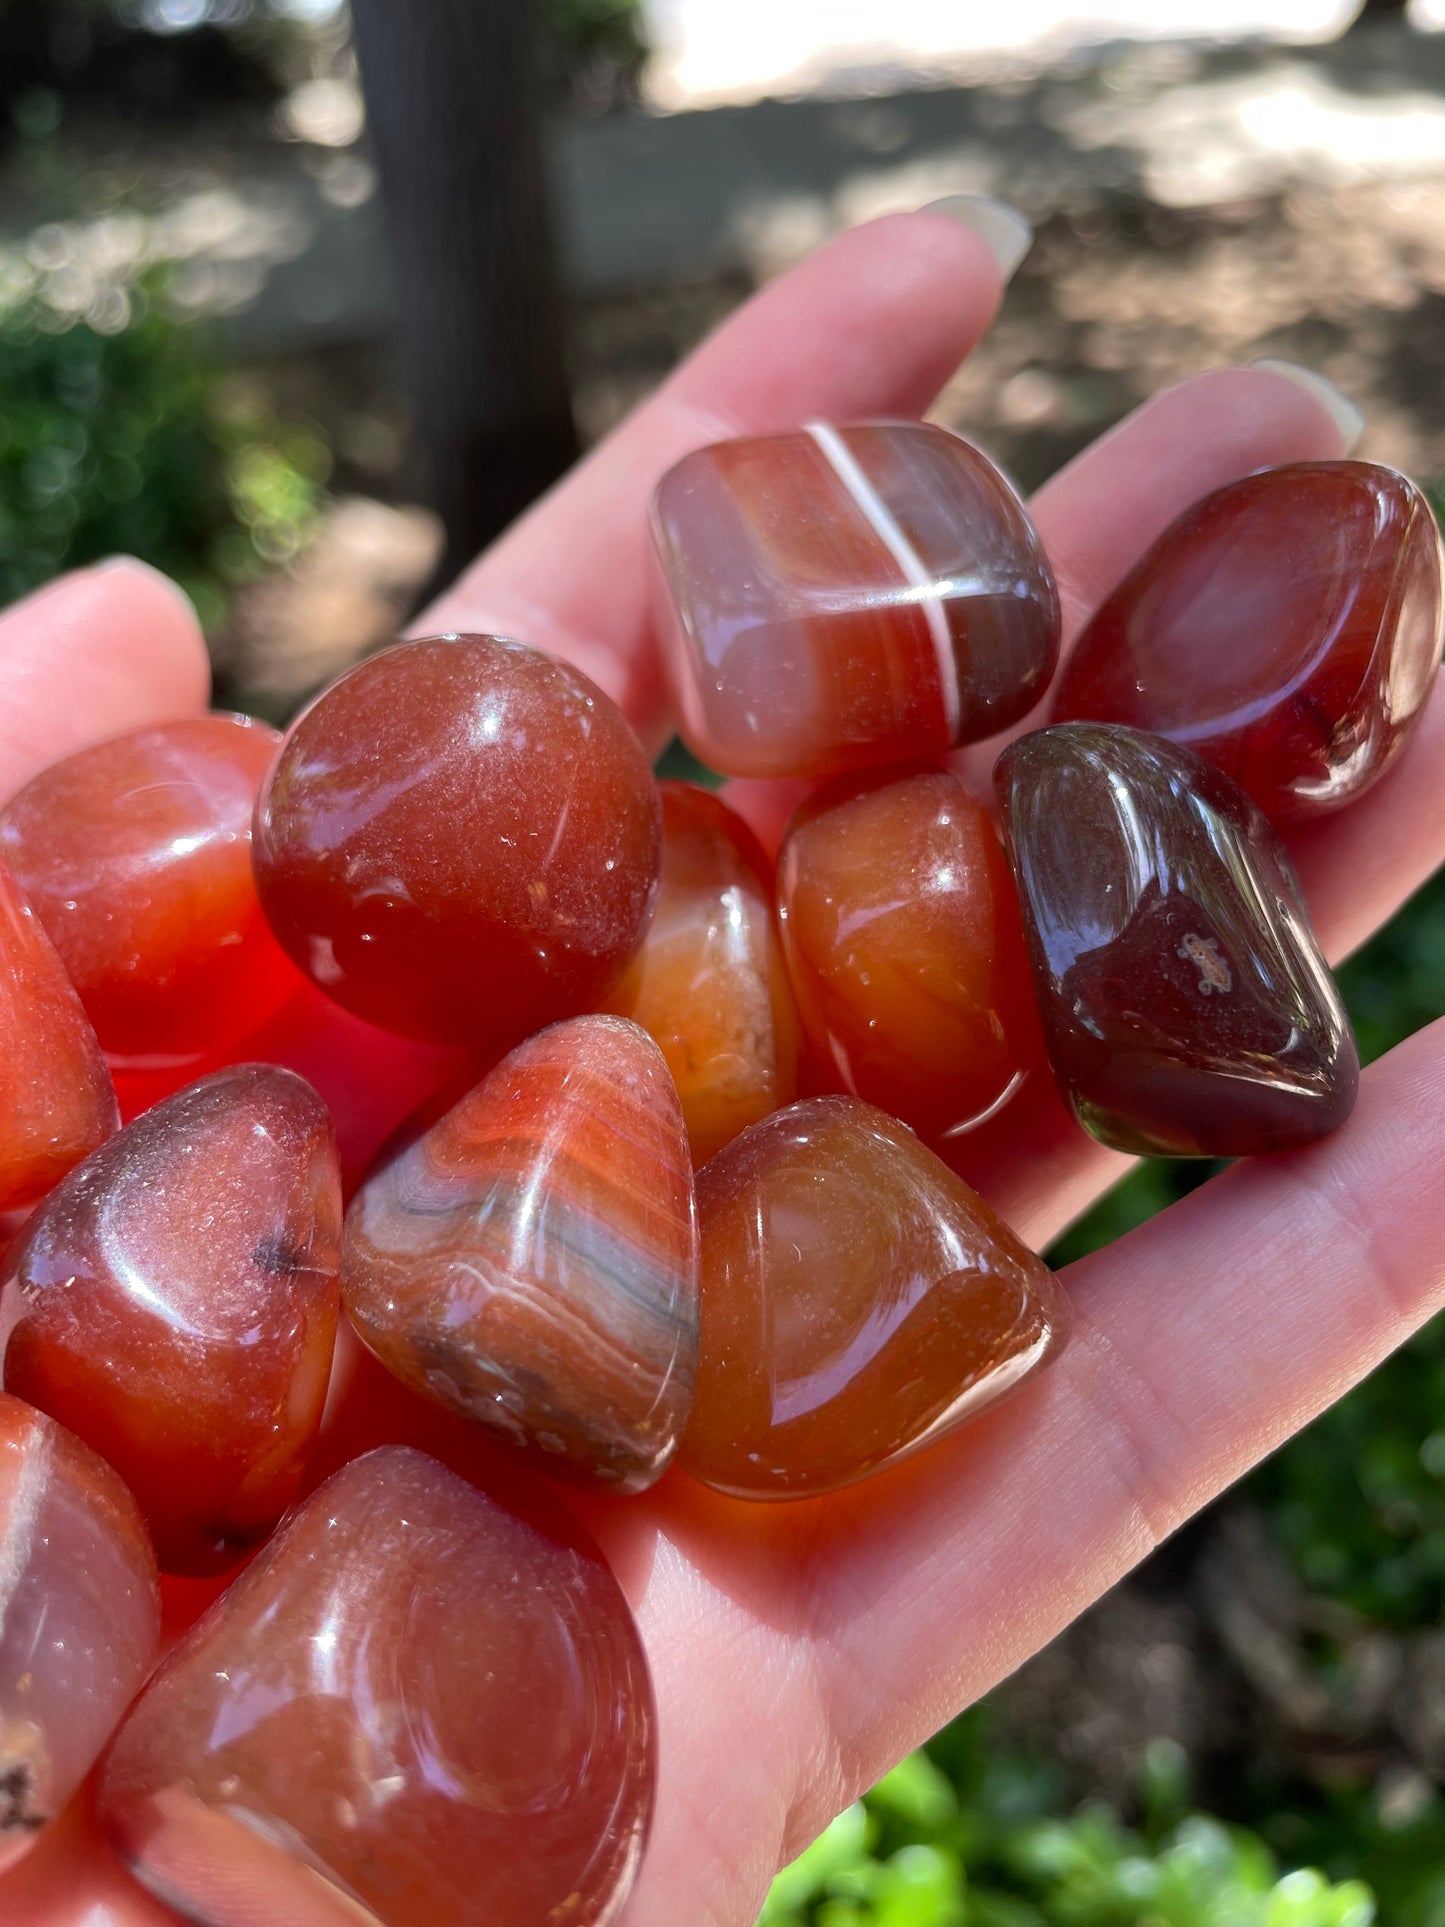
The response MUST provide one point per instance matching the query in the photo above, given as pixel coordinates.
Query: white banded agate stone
(839, 597)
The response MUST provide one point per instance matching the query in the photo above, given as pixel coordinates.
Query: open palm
(798, 1651)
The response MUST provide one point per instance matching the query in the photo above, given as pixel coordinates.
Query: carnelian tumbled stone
(901, 926)
(531, 1261)
(1186, 1008)
(174, 1302)
(416, 1707)
(1286, 628)
(57, 1102)
(837, 597)
(136, 855)
(79, 1616)
(460, 841)
(709, 982)
(859, 1301)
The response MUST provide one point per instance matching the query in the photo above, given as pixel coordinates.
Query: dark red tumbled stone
(1287, 628)
(1186, 1008)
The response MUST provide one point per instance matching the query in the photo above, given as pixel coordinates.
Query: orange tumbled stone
(531, 1260)
(174, 1303)
(79, 1616)
(136, 855)
(709, 983)
(905, 946)
(859, 1301)
(417, 1708)
(57, 1102)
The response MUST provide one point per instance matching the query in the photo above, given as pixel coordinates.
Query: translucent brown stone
(174, 1303)
(79, 1616)
(1286, 628)
(859, 1302)
(709, 983)
(1185, 1004)
(531, 1260)
(57, 1102)
(416, 1707)
(460, 841)
(901, 927)
(837, 597)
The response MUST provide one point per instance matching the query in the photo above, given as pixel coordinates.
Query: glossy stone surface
(531, 1261)
(859, 1301)
(79, 1616)
(1286, 628)
(415, 1708)
(1185, 1005)
(837, 597)
(901, 927)
(57, 1102)
(709, 983)
(174, 1303)
(460, 841)
(136, 855)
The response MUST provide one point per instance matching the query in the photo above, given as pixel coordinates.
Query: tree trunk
(1371, 12)
(452, 100)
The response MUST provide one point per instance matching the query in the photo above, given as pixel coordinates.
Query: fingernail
(132, 566)
(1002, 229)
(1340, 409)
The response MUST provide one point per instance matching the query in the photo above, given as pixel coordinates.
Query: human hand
(798, 1651)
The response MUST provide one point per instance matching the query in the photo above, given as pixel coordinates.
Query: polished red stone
(833, 598)
(859, 1302)
(415, 1708)
(1185, 1005)
(1286, 628)
(709, 981)
(531, 1260)
(79, 1616)
(136, 854)
(57, 1102)
(901, 927)
(174, 1303)
(460, 841)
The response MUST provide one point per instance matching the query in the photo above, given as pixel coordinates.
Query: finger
(873, 324)
(799, 1650)
(1359, 866)
(97, 652)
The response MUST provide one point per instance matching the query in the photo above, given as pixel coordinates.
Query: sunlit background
(212, 353)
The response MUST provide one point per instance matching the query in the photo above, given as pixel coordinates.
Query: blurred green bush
(965, 1834)
(119, 433)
